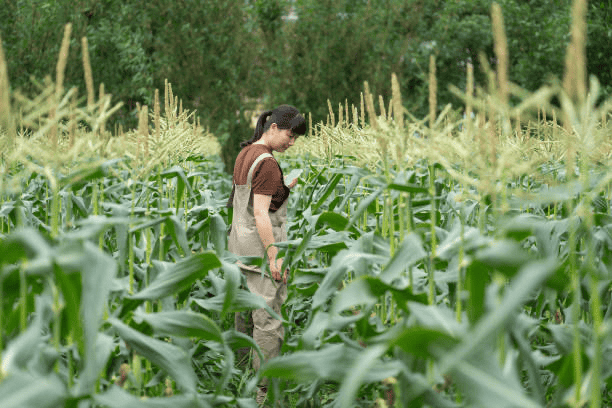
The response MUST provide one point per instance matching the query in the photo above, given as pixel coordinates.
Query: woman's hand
(293, 183)
(275, 270)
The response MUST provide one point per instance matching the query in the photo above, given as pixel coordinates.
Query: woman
(259, 199)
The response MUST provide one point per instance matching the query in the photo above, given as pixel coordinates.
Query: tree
(204, 49)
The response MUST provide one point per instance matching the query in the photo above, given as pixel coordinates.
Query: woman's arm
(261, 206)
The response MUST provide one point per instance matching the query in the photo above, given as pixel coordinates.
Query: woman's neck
(263, 142)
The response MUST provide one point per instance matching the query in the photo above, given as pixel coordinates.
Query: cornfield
(449, 261)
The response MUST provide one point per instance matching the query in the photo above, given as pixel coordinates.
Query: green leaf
(178, 233)
(21, 390)
(174, 226)
(476, 279)
(409, 253)
(419, 341)
(92, 226)
(116, 397)
(77, 179)
(218, 234)
(505, 256)
(244, 300)
(172, 359)
(361, 368)
(97, 355)
(437, 317)
(358, 174)
(322, 322)
(327, 191)
(485, 384)
(97, 279)
(408, 188)
(450, 246)
(23, 243)
(345, 260)
(332, 362)
(181, 182)
(19, 353)
(358, 258)
(182, 324)
(531, 367)
(334, 220)
(363, 206)
(235, 340)
(233, 277)
(179, 277)
(367, 290)
(71, 288)
(518, 291)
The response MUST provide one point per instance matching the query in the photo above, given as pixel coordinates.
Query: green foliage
(334, 46)
(203, 48)
(599, 33)
(121, 38)
(268, 14)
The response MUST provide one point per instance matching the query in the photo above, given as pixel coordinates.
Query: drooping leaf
(437, 317)
(410, 252)
(19, 353)
(363, 205)
(218, 233)
(77, 179)
(408, 188)
(235, 340)
(505, 256)
(360, 370)
(182, 324)
(356, 258)
(476, 279)
(232, 276)
(243, 300)
(170, 358)
(21, 389)
(327, 191)
(334, 220)
(367, 290)
(178, 233)
(332, 362)
(97, 355)
(116, 397)
(23, 243)
(97, 274)
(179, 277)
(182, 182)
(71, 288)
(419, 341)
(484, 383)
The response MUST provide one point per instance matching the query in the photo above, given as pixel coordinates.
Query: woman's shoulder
(250, 153)
(247, 157)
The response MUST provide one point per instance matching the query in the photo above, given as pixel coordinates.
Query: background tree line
(221, 55)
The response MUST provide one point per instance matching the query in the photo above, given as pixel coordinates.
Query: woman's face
(282, 139)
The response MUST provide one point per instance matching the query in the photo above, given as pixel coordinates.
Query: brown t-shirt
(267, 176)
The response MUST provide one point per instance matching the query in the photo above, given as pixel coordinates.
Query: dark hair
(285, 117)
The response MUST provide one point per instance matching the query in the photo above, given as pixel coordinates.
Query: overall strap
(255, 163)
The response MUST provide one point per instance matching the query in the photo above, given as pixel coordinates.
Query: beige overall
(244, 240)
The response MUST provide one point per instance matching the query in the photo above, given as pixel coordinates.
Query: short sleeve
(267, 178)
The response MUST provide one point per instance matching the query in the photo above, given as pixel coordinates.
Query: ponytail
(285, 117)
(259, 129)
